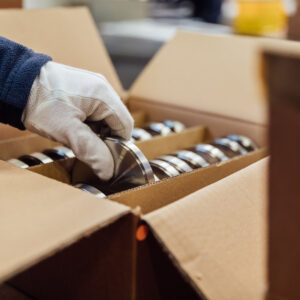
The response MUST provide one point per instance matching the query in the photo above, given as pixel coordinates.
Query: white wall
(102, 10)
(51, 3)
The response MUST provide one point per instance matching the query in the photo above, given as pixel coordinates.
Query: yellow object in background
(264, 17)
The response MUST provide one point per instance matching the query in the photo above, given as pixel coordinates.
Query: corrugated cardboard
(42, 217)
(36, 209)
(68, 35)
(52, 219)
(217, 236)
(207, 78)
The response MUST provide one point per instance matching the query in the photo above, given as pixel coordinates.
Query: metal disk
(35, 159)
(231, 148)
(244, 141)
(18, 163)
(195, 160)
(210, 151)
(140, 134)
(90, 189)
(59, 152)
(175, 126)
(156, 128)
(132, 168)
(163, 169)
(177, 163)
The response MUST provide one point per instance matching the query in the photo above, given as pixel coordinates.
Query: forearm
(19, 67)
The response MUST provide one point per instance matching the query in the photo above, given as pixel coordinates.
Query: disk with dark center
(36, 158)
(229, 147)
(59, 152)
(18, 163)
(131, 169)
(90, 189)
(243, 141)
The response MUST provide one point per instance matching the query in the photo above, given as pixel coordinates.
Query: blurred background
(133, 30)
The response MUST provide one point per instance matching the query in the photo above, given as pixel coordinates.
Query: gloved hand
(62, 98)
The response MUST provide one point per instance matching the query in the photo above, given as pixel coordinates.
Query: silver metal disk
(90, 189)
(18, 163)
(244, 141)
(163, 169)
(42, 157)
(132, 168)
(156, 128)
(232, 146)
(140, 134)
(176, 162)
(192, 158)
(175, 126)
(211, 151)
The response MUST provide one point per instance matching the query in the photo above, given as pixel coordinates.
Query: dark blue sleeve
(19, 67)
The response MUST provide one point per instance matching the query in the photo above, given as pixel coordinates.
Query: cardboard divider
(154, 196)
(74, 171)
(8, 132)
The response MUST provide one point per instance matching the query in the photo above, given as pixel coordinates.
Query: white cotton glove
(62, 98)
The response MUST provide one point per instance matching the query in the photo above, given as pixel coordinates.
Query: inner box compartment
(153, 196)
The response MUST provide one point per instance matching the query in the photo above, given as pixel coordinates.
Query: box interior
(172, 86)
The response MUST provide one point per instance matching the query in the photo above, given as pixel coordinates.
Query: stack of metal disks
(41, 158)
(157, 129)
(131, 167)
(201, 156)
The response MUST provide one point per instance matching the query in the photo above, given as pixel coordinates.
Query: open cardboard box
(204, 240)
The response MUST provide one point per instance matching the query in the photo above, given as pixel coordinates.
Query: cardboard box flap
(68, 35)
(42, 216)
(217, 236)
(214, 74)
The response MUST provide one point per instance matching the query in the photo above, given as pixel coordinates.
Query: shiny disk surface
(177, 163)
(244, 141)
(163, 169)
(132, 168)
(195, 160)
(90, 189)
(211, 151)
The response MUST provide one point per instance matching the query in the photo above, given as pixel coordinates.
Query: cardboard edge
(248, 160)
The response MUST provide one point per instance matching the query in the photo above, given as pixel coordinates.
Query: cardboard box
(206, 231)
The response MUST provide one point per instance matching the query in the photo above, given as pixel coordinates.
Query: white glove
(62, 98)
